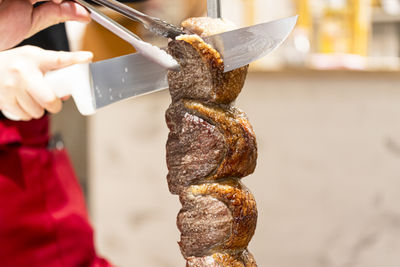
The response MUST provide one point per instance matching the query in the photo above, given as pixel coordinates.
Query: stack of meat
(211, 146)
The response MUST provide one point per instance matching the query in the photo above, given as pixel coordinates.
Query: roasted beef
(211, 145)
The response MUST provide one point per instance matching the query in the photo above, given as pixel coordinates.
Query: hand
(23, 89)
(20, 20)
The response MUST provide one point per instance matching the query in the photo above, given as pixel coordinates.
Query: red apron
(43, 219)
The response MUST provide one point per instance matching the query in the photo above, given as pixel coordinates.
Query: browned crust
(243, 207)
(232, 154)
(205, 223)
(211, 146)
(241, 156)
(188, 161)
(230, 228)
(216, 86)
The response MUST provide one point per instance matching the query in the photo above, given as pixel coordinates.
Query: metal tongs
(155, 25)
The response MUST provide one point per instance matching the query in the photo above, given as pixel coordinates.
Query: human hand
(23, 89)
(19, 19)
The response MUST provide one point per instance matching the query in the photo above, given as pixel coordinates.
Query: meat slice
(206, 227)
(225, 144)
(191, 162)
(210, 147)
(202, 74)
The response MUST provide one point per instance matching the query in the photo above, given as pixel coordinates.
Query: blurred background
(326, 111)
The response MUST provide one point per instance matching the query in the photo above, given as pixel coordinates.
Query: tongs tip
(163, 28)
(159, 56)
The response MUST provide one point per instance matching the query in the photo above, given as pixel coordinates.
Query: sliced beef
(225, 145)
(210, 147)
(202, 74)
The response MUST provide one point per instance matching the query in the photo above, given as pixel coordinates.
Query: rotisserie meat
(211, 145)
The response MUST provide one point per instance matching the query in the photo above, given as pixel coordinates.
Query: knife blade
(96, 85)
(245, 45)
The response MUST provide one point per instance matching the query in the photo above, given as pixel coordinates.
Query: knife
(96, 85)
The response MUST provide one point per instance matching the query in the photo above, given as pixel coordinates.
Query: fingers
(44, 61)
(24, 91)
(55, 12)
(30, 106)
(48, 60)
(32, 95)
(52, 60)
(41, 93)
(10, 88)
(17, 112)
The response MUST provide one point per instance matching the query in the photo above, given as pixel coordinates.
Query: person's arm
(23, 89)
(20, 19)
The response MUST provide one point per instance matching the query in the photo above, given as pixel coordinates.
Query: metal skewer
(214, 8)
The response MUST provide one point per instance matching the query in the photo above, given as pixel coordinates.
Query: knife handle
(72, 81)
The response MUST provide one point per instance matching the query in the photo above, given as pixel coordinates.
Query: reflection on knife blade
(134, 75)
(103, 83)
(243, 46)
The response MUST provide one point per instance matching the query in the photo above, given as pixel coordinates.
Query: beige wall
(327, 181)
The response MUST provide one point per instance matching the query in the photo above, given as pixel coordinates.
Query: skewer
(214, 8)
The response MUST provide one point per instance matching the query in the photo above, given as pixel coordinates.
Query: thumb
(50, 13)
(52, 60)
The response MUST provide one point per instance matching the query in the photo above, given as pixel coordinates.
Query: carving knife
(96, 85)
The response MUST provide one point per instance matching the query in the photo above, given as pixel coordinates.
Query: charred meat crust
(202, 74)
(195, 148)
(214, 229)
(211, 145)
(205, 224)
(225, 144)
